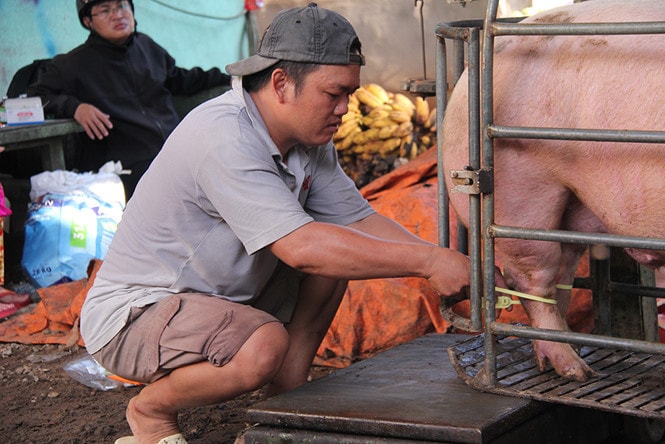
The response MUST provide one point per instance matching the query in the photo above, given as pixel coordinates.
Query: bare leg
(152, 414)
(318, 302)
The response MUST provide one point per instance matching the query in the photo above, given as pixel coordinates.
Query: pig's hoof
(577, 374)
(564, 360)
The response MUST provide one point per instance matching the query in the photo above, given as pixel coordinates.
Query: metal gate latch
(472, 181)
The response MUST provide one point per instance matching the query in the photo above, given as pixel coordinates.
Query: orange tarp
(54, 320)
(375, 315)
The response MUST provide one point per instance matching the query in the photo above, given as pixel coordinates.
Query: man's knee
(263, 353)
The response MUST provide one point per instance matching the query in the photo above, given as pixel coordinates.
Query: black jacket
(134, 84)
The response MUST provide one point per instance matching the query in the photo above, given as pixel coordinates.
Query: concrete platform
(412, 394)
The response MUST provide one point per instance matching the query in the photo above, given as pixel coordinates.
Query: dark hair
(297, 71)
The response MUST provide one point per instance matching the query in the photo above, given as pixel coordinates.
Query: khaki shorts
(180, 330)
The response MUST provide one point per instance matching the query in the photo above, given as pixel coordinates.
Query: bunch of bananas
(385, 123)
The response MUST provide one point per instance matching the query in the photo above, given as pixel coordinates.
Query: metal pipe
(474, 247)
(499, 28)
(462, 231)
(487, 117)
(578, 338)
(595, 135)
(636, 290)
(422, 36)
(577, 237)
(441, 86)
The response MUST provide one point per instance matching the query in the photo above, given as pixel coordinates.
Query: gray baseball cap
(310, 34)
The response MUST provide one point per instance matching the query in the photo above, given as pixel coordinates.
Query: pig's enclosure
(625, 341)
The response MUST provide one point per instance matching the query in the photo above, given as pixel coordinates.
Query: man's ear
(87, 21)
(279, 82)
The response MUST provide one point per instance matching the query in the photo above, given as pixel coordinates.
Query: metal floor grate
(627, 382)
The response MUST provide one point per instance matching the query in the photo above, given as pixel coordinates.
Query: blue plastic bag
(64, 231)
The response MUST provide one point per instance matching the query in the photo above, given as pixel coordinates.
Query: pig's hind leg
(561, 356)
(577, 217)
(536, 267)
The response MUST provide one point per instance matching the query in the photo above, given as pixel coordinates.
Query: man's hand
(95, 123)
(450, 273)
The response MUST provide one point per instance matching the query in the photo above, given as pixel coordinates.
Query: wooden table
(49, 134)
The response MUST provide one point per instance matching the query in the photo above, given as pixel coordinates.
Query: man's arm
(375, 247)
(50, 87)
(381, 226)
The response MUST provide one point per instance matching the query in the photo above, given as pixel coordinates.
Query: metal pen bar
(458, 29)
(637, 290)
(499, 28)
(441, 86)
(487, 147)
(459, 37)
(474, 81)
(596, 135)
(578, 338)
(577, 237)
(475, 246)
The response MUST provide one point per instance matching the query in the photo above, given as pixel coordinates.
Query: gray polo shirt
(216, 195)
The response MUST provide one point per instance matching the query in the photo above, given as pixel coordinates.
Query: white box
(24, 110)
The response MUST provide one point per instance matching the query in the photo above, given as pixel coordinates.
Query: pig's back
(597, 81)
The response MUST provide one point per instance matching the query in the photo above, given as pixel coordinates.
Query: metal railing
(466, 37)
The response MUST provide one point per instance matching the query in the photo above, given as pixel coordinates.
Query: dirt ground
(41, 403)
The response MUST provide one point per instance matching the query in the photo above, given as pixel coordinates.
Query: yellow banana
(405, 145)
(367, 120)
(344, 129)
(373, 146)
(380, 111)
(402, 101)
(366, 136)
(426, 140)
(367, 98)
(380, 123)
(372, 134)
(351, 115)
(431, 119)
(358, 149)
(399, 116)
(378, 91)
(409, 110)
(387, 131)
(404, 129)
(347, 142)
(422, 111)
(359, 139)
(390, 145)
(413, 152)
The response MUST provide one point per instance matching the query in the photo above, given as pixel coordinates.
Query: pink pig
(590, 82)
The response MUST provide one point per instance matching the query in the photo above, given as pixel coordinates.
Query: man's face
(315, 113)
(113, 20)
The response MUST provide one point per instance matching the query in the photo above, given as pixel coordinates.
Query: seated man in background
(118, 85)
